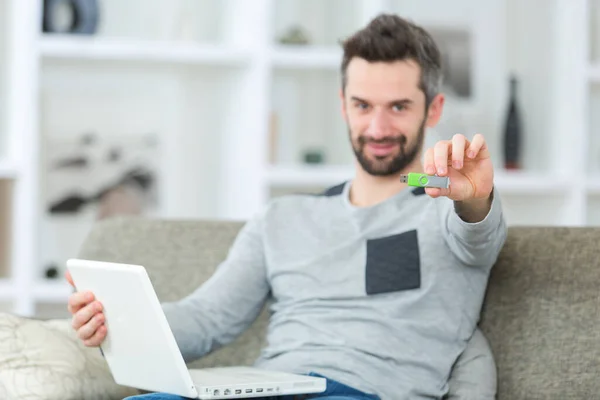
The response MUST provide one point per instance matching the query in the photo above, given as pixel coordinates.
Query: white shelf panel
(54, 291)
(306, 57)
(8, 170)
(7, 291)
(520, 182)
(593, 186)
(594, 73)
(94, 49)
(318, 175)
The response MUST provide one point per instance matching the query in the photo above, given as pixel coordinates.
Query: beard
(392, 164)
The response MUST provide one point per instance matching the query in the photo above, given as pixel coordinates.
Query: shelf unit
(234, 110)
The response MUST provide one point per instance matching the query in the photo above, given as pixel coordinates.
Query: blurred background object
(70, 16)
(512, 128)
(209, 108)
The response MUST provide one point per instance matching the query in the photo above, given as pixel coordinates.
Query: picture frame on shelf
(456, 48)
(114, 175)
(91, 177)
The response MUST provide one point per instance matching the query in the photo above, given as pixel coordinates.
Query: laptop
(142, 353)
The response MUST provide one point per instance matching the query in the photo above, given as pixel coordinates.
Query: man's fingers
(458, 150)
(82, 316)
(98, 337)
(437, 192)
(69, 278)
(433, 192)
(440, 156)
(477, 146)
(88, 330)
(78, 300)
(428, 162)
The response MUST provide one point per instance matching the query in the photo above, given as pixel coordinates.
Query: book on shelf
(5, 227)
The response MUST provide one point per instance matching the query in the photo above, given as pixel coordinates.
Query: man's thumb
(69, 278)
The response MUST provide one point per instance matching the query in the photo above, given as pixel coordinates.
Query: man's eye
(398, 107)
(362, 106)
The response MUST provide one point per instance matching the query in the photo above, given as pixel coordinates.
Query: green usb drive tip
(424, 180)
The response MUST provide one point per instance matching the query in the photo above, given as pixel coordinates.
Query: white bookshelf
(209, 76)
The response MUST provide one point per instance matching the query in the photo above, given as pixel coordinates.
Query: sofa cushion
(44, 360)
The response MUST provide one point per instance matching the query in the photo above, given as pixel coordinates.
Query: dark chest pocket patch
(393, 263)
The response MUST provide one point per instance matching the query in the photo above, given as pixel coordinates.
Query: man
(375, 285)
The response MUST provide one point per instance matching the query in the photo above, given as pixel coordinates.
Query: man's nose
(380, 125)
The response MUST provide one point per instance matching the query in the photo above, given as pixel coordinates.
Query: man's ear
(434, 113)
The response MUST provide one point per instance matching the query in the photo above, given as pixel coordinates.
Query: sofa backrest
(541, 314)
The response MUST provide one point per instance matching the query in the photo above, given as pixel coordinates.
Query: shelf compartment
(200, 21)
(156, 121)
(306, 57)
(542, 209)
(322, 22)
(306, 118)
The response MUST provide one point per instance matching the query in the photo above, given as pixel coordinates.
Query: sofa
(541, 314)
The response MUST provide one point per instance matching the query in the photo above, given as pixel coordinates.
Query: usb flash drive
(424, 180)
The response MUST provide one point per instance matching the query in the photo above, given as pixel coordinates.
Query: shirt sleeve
(479, 243)
(228, 302)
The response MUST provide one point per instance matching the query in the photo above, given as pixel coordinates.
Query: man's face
(386, 114)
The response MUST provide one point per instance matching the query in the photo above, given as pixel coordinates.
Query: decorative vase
(70, 17)
(512, 129)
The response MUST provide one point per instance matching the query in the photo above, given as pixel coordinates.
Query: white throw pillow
(44, 360)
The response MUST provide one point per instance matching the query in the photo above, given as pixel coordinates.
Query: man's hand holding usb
(469, 167)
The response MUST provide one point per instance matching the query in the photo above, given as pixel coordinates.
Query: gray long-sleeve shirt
(381, 298)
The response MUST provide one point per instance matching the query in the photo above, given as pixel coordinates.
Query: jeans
(333, 391)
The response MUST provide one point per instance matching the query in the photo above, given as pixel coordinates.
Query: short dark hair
(388, 38)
